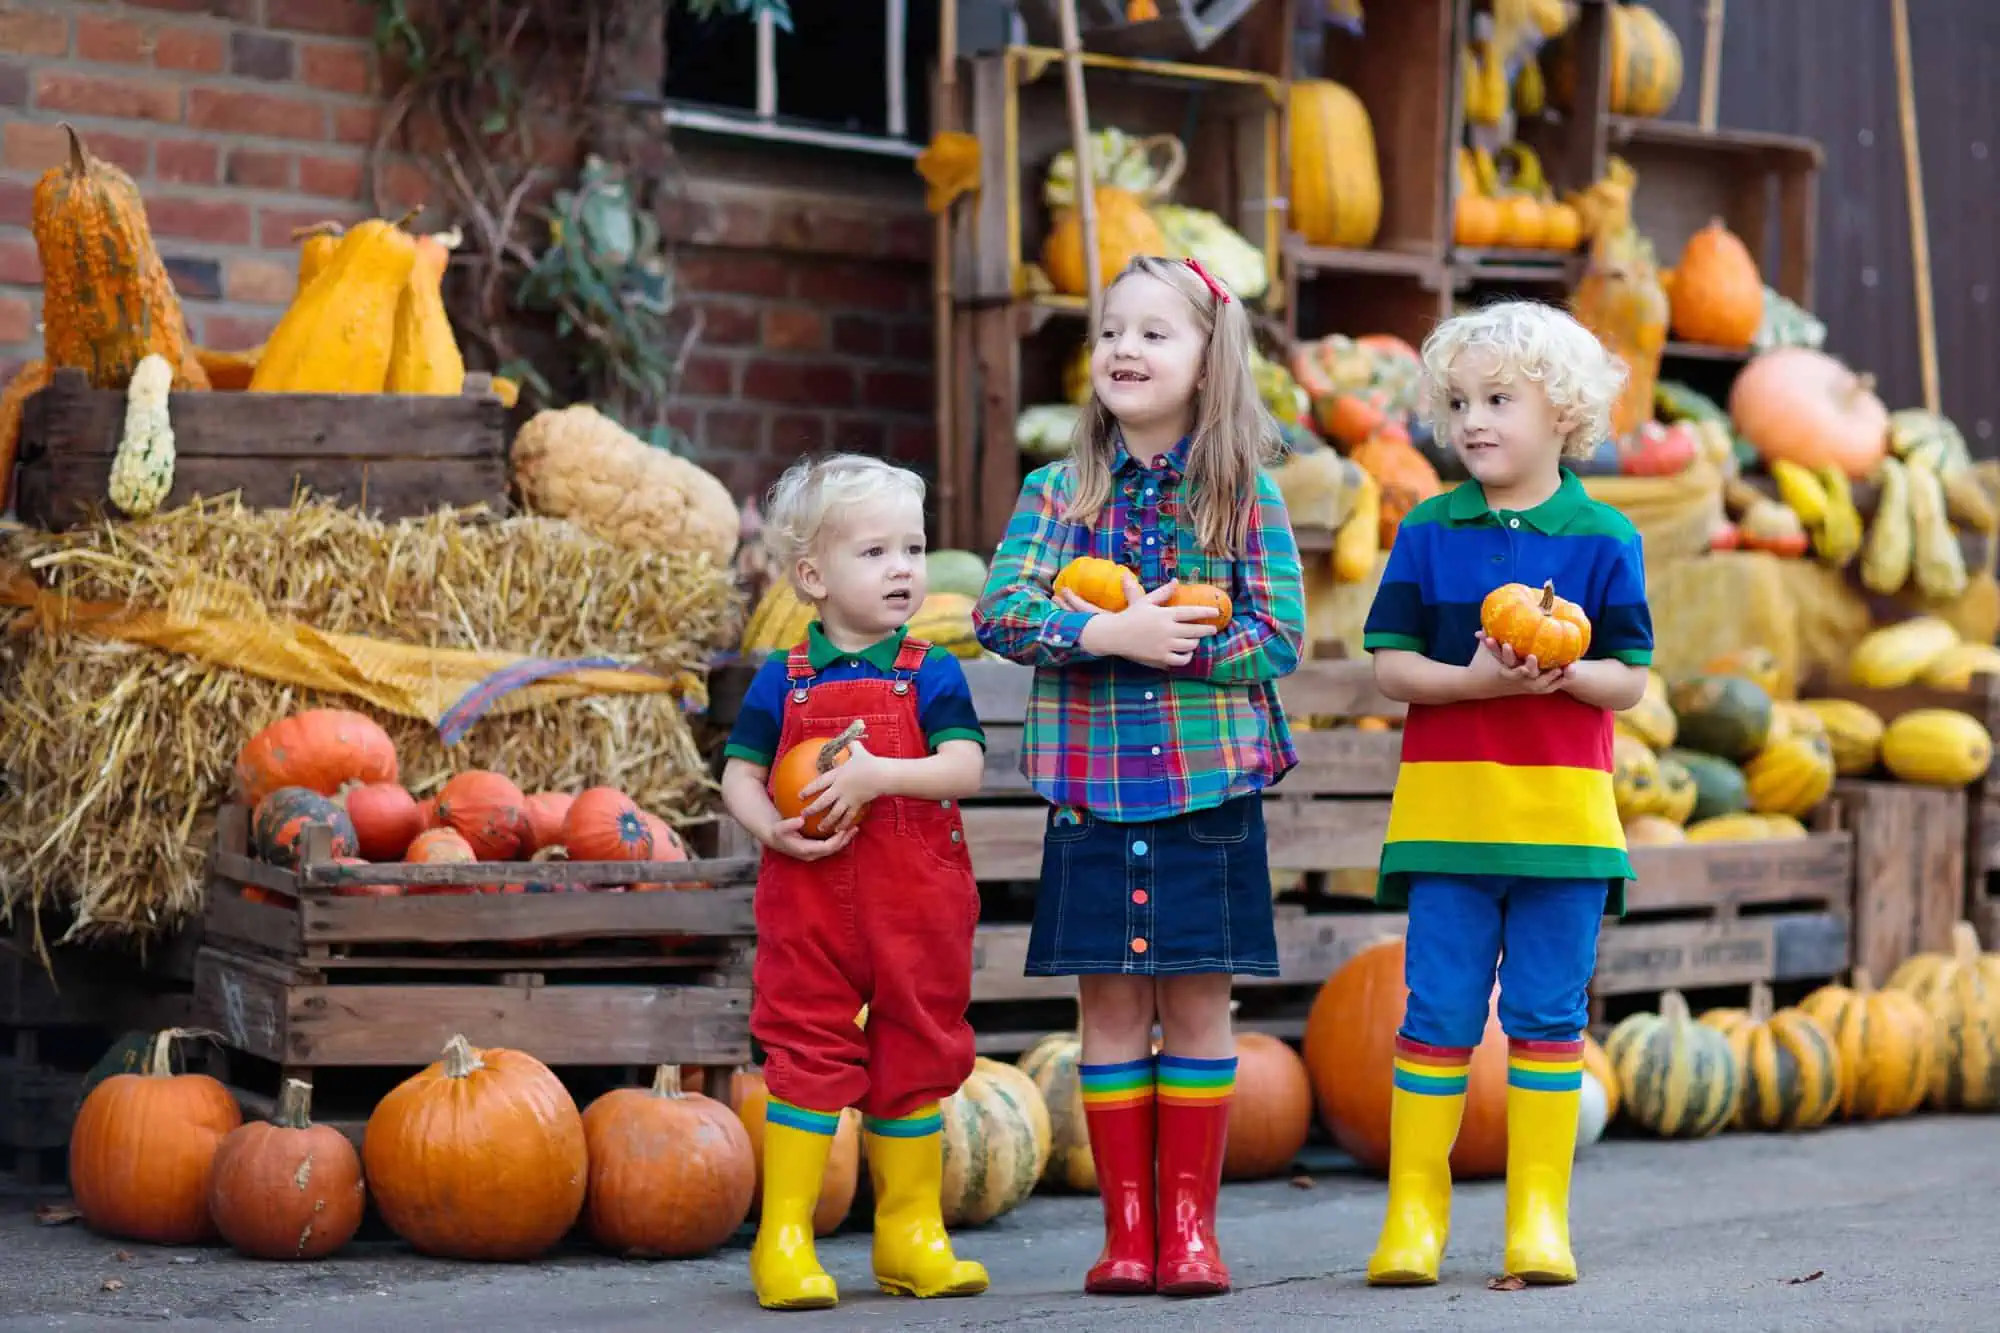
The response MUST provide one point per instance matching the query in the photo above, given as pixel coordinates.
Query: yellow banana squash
(337, 336)
(316, 246)
(424, 357)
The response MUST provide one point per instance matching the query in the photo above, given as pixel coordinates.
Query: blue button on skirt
(1159, 898)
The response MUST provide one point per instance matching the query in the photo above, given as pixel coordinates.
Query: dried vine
(562, 279)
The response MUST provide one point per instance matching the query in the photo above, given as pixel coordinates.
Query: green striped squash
(1679, 1078)
(1886, 1044)
(1791, 1071)
(1961, 992)
(1052, 1065)
(996, 1143)
(1726, 716)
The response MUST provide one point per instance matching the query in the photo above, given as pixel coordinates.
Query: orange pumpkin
(1476, 222)
(439, 846)
(545, 813)
(142, 1150)
(1536, 623)
(1718, 295)
(603, 824)
(1097, 581)
(321, 749)
(801, 765)
(479, 1156)
(287, 1188)
(485, 809)
(1125, 230)
(1204, 594)
(672, 1173)
(1271, 1115)
(1801, 405)
(385, 817)
(359, 890)
(1406, 477)
(1522, 223)
(1563, 227)
(1350, 1052)
(751, 1100)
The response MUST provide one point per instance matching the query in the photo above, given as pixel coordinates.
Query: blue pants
(1540, 934)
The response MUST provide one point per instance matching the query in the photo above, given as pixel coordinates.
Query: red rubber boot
(1192, 1138)
(1122, 1146)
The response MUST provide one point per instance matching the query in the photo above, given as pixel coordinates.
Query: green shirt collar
(881, 654)
(1467, 506)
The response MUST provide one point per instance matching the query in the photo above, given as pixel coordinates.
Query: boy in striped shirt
(1504, 841)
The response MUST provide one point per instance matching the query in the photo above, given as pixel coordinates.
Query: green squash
(1720, 788)
(1680, 1079)
(961, 572)
(1679, 402)
(1721, 715)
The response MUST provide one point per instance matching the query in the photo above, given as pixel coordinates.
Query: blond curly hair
(814, 493)
(1541, 344)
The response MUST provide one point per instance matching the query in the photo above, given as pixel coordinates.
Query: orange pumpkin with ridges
(603, 824)
(484, 808)
(385, 817)
(321, 749)
(672, 1172)
(1097, 581)
(287, 1188)
(439, 846)
(1204, 594)
(1536, 623)
(801, 765)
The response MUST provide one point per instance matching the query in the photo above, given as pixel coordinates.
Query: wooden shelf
(1550, 267)
(1706, 352)
(1310, 261)
(1624, 130)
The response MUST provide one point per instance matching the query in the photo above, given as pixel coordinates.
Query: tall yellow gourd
(425, 357)
(316, 246)
(336, 337)
(1336, 181)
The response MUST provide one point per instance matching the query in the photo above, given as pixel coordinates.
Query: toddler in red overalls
(881, 912)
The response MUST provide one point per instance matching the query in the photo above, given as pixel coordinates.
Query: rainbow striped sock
(923, 1122)
(1116, 1087)
(1431, 1071)
(1188, 1082)
(1545, 1066)
(797, 1117)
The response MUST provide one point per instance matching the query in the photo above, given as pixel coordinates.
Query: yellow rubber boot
(913, 1255)
(1424, 1114)
(784, 1267)
(1544, 1086)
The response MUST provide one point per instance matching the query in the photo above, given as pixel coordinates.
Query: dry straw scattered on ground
(117, 756)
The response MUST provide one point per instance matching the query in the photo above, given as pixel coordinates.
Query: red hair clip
(1221, 297)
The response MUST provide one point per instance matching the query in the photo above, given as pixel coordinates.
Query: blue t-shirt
(944, 700)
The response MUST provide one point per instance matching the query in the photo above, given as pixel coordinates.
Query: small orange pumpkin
(439, 846)
(799, 766)
(671, 1172)
(484, 808)
(1564, 227)
(1204, 594)
(1536, 623)
(1718, 295)
(287, 1188)
(1097, 581)
(603, 824)
(545, 813)
(1475, 222)
(1522, 224)
(385, 816)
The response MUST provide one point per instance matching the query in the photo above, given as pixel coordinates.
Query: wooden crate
(1699, 916)
(313, 978)
(1909, 869)
(396, 454)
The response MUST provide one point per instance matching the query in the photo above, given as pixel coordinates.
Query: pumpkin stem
(667, 1081)
(1863, 983)
(460, 1059)
(160, 1063)
(1674, 1008)
(1760, 1002)
(318, 229)
(294, 1105)
(408, 217)
(78, 163)
(829, 754)
(555, 851)
(1964, 944)
(1548, 597)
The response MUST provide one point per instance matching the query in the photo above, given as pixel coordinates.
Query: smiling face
(1502, 424)
(1146, 362)
(867, 571)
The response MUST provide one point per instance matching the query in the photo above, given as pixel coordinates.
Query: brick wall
(242, 119)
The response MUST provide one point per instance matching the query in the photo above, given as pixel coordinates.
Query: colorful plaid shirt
(1129, 742)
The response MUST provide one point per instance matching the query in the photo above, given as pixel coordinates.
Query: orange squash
(385, 817)
(799, 766)
(1805, 406)
(1523, 225)
(545, 813)
(1204, 594)
(603, 824)
(1476, 222)
(1099, 582)
(1406, 476)
(1125, 230)
(439, 846)
(27, 382)
(107, 302)
(287, 1188)
(484, 808)
(321, 749)
(1536, 623)
(1718, 295)
(1271, 1116)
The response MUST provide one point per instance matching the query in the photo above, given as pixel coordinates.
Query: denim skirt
(1159, 898)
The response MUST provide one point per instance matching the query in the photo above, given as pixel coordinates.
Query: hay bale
(119, 755)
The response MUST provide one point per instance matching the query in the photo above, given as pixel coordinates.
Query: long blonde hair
(1233, 434)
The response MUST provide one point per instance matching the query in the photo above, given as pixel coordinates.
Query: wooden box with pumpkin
(334, 961)
(397, 455)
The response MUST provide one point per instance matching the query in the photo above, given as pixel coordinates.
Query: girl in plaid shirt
(1152, 732)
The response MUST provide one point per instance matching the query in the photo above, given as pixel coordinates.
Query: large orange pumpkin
(671, 1172)
(479, 1156)
(1271, 1115)
(321, 749)
(287, 1188)
(801, 765)
(1801, 405)
(1718, 296)
(142, 1150)
(1536, 623)
(1350, 1051)
(603, 824)
(485, 809)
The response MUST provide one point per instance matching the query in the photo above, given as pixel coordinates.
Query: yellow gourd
(316, 246)
(336, 337)
(1358, 541)
(1336, 180)
(1937, 747)
(1891, 658)
(1853, 731)
(424, 357)
(1885, 560)
(1125, 230)
(1954, 668)
(1940, 564)
(1840, 533)
(1790, 777)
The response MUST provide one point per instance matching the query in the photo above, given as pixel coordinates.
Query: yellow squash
(1938, 747)
(1853, 732)
(1889, 658)
(337, 336)
(316, 246)
(1336, 180)
(424, 357)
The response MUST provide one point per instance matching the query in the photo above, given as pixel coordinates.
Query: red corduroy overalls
(887, 923)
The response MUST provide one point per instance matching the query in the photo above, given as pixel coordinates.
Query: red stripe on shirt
(1532, 730)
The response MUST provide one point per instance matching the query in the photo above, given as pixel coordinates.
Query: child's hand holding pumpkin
(1147, 631)
(847, 787)
(1496, 666)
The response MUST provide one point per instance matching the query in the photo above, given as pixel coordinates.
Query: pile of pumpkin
(1725, 756)
(484, 1156)
(336, 771)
